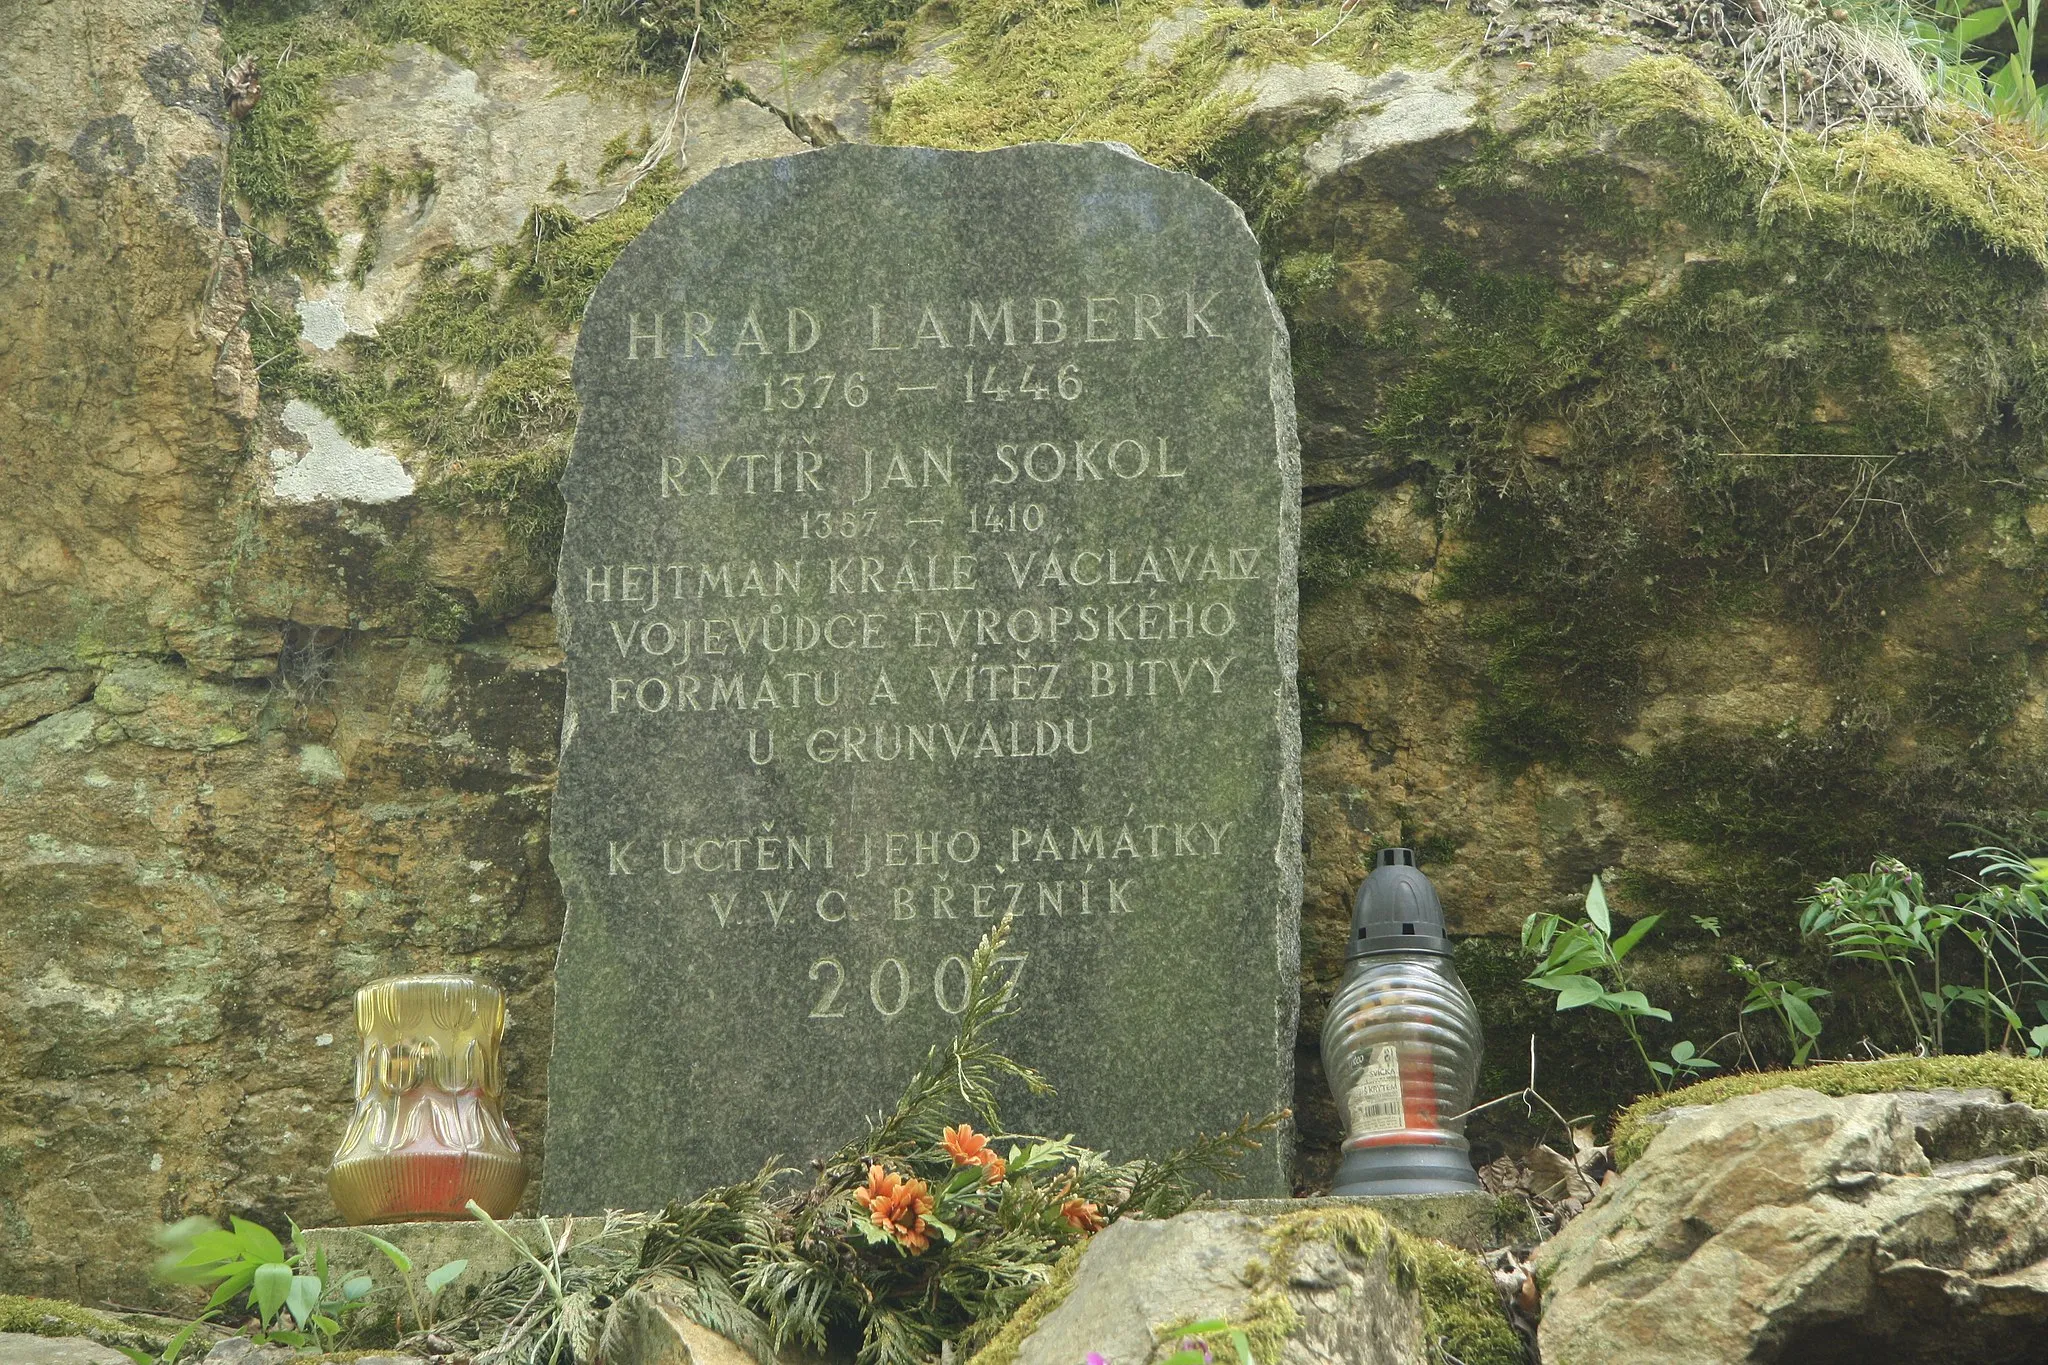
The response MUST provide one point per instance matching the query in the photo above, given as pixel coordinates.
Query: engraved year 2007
(890, 984)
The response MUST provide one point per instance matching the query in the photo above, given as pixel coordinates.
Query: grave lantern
(1401, 1044)
(429, 1133)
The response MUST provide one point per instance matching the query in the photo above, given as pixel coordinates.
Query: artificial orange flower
(1082, 1216)
(897, 1206)
(969, 1148)
(966, 1146)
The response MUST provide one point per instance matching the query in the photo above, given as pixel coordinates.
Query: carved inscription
(919, 574)
(882, 625)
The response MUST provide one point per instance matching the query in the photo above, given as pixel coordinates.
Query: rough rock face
(1325, 1285)
(1202, 1266)
(252, 753)
(1790, 1226)
(279, 695)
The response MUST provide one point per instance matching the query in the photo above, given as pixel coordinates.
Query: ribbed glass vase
(429, 1132)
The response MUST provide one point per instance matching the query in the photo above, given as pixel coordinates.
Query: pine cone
(244, 88)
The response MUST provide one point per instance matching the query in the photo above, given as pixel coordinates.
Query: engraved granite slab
(930, 556)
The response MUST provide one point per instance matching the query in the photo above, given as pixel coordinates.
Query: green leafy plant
(929, 1228)
(435, 1280)
(1925, 946)
(1198, 1342)
(1581, 964)
(294, 1296)
(2001, 86)
(1790, 1001)
(1687, 1060)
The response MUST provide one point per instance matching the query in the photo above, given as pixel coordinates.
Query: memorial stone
(930, 558)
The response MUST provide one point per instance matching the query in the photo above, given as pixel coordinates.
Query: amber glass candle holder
(429, 1132)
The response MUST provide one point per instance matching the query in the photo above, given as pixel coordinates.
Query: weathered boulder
(1324, 1284)
(1792, 1226)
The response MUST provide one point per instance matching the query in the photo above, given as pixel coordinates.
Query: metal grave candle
(1401, 1045)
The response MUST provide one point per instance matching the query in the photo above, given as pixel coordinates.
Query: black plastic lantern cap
(1397, 910)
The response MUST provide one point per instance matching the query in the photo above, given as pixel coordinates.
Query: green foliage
(1199, 1343)
(1790, 1001)
(2001, 87)
(921, 1231)
(434, 1281)
(1886, 916)
(1001, 1348)
(2022, 1079)
(294, 1297)
(1581, 965)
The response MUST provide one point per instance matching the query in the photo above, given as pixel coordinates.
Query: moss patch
(1462, 1317)
(2022, 1079)
(55, 1318)
(373, 198)
(1872, 189)
(1073, 70)
(281, 167)
(1002, 1347)
(1461, 1309)
(1338, 545)
(471, 376)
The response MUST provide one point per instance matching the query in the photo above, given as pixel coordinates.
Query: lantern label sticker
(1376, 1097)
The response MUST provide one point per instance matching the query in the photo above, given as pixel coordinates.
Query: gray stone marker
(930, 555)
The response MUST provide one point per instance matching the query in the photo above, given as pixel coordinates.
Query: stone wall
(278, 689)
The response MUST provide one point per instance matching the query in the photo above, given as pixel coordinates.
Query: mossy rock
(58, 1318)
(2023, 1080)
(1442, 1293)
(1002, 1347)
